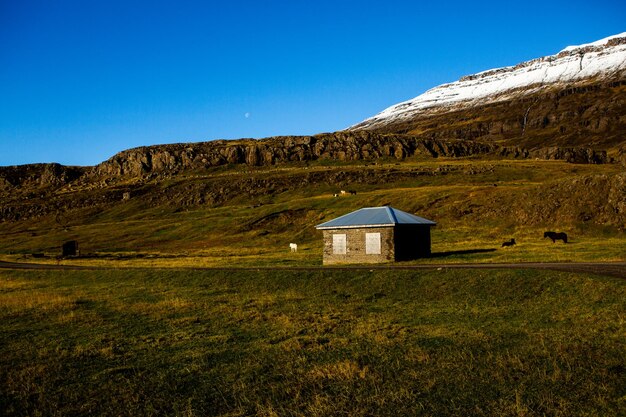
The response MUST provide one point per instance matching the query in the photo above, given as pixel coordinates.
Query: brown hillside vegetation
(597, 196)
(236, 212)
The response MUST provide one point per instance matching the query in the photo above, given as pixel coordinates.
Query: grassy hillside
(238, 215)
(445, 343)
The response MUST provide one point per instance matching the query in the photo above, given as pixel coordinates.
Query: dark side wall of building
(411, 241)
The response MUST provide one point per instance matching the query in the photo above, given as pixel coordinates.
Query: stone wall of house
(355, 246)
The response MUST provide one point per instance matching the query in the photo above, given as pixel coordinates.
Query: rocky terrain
(340, 146)
(170, 160)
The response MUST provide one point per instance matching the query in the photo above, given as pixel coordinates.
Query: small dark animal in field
(509, 243)
(556, 236)
(352, 192)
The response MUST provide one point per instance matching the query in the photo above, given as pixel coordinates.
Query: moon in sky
(247, 115)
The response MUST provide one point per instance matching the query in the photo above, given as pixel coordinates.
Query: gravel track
(612, 269)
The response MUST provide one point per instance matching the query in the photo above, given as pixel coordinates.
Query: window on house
(372, 243)
(339, 244)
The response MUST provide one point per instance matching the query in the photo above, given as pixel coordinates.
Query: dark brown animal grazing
(556, 236)
(509, 243)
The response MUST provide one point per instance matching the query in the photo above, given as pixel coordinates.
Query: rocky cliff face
(36, 176)
(170, 160)
(341, 146)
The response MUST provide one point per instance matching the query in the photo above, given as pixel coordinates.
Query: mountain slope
(576, 97)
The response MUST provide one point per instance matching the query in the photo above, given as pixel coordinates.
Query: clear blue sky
(81, 80)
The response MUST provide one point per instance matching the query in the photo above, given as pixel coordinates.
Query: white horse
(293, 247)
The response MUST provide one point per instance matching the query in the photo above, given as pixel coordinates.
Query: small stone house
(375, 234)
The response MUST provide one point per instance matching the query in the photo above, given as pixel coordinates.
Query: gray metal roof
(374, 217)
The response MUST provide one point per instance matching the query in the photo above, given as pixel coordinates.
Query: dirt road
(613, 269)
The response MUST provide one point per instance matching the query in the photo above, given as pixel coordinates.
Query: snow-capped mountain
(593, 62)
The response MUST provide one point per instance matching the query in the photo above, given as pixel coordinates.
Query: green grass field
(316, 343)
(477, 204)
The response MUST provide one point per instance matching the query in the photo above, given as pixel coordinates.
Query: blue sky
(83, 80)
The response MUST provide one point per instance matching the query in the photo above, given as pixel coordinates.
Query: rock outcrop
(39, 175)
(169, 160)
(340, 146)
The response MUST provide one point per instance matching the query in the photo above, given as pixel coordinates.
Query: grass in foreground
(150, 342)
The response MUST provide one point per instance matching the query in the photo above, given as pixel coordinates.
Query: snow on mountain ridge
(601, 42)
(604, 57)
